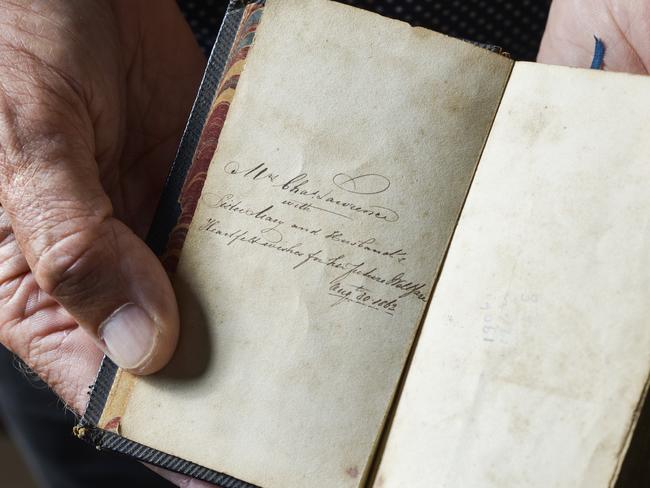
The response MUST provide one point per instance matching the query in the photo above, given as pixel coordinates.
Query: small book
(401, 260)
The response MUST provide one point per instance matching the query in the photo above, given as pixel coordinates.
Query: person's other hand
(623, 25)
(93, 100)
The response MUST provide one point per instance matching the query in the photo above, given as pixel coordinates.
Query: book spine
(175, 210)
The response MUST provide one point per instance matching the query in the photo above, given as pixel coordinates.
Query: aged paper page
(339, 177)
(536, 349)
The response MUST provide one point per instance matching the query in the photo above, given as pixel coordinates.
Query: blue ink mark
(599, 54)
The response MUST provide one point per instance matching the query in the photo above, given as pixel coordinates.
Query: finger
(623, 26)
(567, 39)
(105, 277)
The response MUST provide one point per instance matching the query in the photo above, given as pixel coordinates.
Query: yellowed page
(536, 349)
(339, 177)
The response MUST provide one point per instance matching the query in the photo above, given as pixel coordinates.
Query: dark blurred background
(29, 410)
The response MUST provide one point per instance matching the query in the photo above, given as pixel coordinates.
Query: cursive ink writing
(307, 207)
(229, 203)
(399, 281)
(361, 295)
(256, 173)
(243, 236)
(367, 244)
(300, 186)
(370, 184)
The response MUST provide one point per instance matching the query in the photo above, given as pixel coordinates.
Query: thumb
(105, 277)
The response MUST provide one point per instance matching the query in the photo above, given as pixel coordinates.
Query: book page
(339, 177)
(535, 352)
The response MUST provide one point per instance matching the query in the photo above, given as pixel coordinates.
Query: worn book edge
(632, 465)
(383, 435)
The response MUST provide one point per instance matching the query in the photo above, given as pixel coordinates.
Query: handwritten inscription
(363, 267)
(367, 244)
(230, 204)
(371, 184)
(501, 316)
(364, 270)
(301, 186)
(361, 296)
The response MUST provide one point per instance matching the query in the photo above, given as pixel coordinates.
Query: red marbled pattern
(209, 139)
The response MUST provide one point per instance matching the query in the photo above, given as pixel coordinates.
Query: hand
(93, 100)
(623, 25)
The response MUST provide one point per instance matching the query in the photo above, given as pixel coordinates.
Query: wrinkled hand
(93, 100)
(623, 25)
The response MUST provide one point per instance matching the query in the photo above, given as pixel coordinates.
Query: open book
(401, 260)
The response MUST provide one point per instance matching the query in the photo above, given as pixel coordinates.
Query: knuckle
(42, 223)
(33, 131)
(43, 119)
(70, 269)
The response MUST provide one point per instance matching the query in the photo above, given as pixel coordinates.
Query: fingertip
(162, 311)
(164, 346)
(130, 337)
(141, 335)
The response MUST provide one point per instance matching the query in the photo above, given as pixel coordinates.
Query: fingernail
(130, 336)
